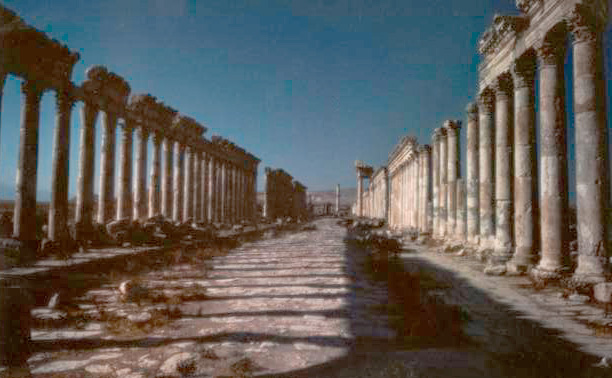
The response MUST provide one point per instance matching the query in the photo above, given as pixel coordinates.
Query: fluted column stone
(155, 177)
(525, 176)
(140, 184)
(553, 162)
(587, 23)
(24, 218)
(124, 192)
(486, 167)
(58, 207)
(504, 196)
(85, 179)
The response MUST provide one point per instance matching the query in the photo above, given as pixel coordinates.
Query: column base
(521, 262)
(543, 274)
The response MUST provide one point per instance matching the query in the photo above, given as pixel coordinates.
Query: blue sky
(307, 86)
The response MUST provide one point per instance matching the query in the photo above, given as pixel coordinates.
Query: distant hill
(347, 196)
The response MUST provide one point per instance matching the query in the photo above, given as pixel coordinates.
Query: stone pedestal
(58, 207)
(486, 169)
(107, 168)
(473, 183)
(124, 192)
(140, 185)
(525, 189)
(85, 180)
(24, 219)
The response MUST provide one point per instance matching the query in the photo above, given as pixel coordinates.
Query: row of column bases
(496, 208)
(194, 185)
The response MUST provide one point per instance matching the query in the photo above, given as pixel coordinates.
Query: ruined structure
(284, 197)
(495, 209)
(185, 183)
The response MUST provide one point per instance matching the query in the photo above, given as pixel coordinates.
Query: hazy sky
(307, 86)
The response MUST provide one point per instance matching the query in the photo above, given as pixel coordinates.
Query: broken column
(587, 22)
(525, 177)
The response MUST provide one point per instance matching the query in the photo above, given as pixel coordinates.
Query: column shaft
(124, 192)
(140, 185)
(58, 208)
(197, 187)
(167, 177)
(24, 219)
(179, 182)
(155, 178)
(85, 179)
(443, 183)
(436, 183)
(472, 184)
(454, 173)
(212, 190)
(187, 187)
(486, 169)
(107, 168)
(461, 225)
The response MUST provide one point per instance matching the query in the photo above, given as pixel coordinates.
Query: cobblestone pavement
(278, 304)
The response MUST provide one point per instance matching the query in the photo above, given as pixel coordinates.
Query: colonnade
(513, 204)
(283, 196)
(192, 180)
(375, 198)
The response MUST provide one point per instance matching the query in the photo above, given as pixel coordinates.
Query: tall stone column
(504, 196)
(443, 182)
(231, 198)
(179, 181)
(85, 179)
(416, 192)
(197, 187)
(436, 182)
(472, 183)
(58, 208)
(525, 176)
(553, 162)
(212, 190)
(205, 187)
(188, 182)
(454, 173)
(24, 219)
(359, 195)
(587, 23)
(486, 168)
(107, 168)
(425, 188)
(337, 207)
(223, 192)
(140, 184)
(155, 178)
(461, 222)
(167, 177)
(254, 193)
(124, 192)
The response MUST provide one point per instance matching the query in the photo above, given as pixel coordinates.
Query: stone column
(124, 192)
(222, 191)
(24, 219)
(140, 184)
(254, 193)
(85, 180)
(188, 184)
(436, 182)
(197, 187)
(212, 190)
(592, 182)
(472, 184)
(337, 208)
(155, 178)
(454, 173)
(106, 194)
(416, 191)
(525, 176)
(553, 163)
(231, 193)
(58, 208)
(486, 168)
(425, 188)
(205, 187)
(167, 177)
(442, 203)
(461, 225)
(504, 196)
(359, 195)
(179, 181)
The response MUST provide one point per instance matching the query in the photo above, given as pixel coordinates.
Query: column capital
(158, 137)
(32, 89)
(486, 100)
(64, 100)
(587, 20)
(503, 86)
(523, 72)
(551, 50)
(472, 110)
(452, 125)
(438, 134)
